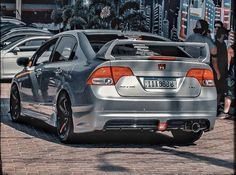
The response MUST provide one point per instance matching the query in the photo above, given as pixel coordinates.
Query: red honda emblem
(161, 66)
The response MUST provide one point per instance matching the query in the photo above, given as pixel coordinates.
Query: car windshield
(10, 40)
(11, 44)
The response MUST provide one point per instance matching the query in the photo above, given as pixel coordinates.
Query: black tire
(184, 137)
(64, 119)
(15, 104)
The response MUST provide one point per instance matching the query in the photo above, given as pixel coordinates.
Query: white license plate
(160, 83)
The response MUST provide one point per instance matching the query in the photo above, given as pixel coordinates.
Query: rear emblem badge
(161, 66)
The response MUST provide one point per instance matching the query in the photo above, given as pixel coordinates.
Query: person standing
(222, 61)
(217, 25)
(230, 94)
(230, 55)
(201, 35)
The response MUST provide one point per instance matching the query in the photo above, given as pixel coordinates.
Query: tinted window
(12, 44)
(147, 50)
(34, 42)
(13, 39)
(98, 40)
(8, 41)
(43, 55)
(65, 49)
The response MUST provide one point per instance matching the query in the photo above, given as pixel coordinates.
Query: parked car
(8, 23)
(5, 20)
(21, 48)
(6, 28)
(127, 85)
(25, 29)
(19, 33)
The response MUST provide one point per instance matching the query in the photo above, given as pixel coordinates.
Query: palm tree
(103, 13)
(132, 18)
(56, 16)
(100, 14)
(80, 17)
(128, 6)
(66, 16)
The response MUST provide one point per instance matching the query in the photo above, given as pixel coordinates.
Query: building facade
(165, 26)
(218, 13)
(183, 18)
(148, 13)
(157, 19)
(30, 10)
(173, 33)
(209, 13)
(226, 13)
(190, 12)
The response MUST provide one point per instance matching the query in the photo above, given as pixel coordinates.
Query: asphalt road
(32, 148)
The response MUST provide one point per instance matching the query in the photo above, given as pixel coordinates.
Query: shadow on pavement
(197, 157)
(168, 150)
(36, 128)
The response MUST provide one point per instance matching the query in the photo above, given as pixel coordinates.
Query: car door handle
(58, 71)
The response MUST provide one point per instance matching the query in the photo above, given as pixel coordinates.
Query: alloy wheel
(15, 107)
(64, 120)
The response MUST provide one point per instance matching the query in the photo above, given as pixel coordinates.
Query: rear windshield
(137, 49)
(98, 40)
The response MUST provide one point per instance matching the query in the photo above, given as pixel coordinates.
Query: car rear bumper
(144, 121)
(144, 113)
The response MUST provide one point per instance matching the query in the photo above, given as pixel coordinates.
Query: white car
(21, 48)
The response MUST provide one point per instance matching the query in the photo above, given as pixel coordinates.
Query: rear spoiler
(186, 47)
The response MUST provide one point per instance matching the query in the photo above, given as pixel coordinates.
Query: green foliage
(115, 23)
(67, 14)
(100, 14)
(128, 6)
(56, 16)
(77, 23)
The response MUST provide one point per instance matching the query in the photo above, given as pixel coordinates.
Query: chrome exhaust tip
(196, 127)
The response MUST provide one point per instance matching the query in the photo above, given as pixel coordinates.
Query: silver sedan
(128, 84)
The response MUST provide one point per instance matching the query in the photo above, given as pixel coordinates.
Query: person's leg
(218, 99)
(227, 104)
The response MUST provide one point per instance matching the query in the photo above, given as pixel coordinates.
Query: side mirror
(15, 50)
(22, 61)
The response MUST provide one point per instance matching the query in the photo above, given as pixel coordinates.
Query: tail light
(108, 75)
(204, 76)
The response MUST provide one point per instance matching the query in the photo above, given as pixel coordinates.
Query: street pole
(188, 19)
(18, 9)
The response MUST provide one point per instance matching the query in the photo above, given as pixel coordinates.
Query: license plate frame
(160, 83)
